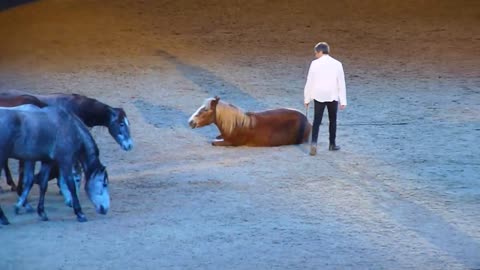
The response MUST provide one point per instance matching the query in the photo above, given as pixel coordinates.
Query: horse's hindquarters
(280, 127)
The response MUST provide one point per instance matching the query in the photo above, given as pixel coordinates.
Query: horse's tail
(304, 125)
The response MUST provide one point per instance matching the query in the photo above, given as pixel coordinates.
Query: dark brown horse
(92, 112)
(267, 128)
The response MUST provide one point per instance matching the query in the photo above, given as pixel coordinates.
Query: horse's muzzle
(128, 145)
(192, 124)
(102, 210)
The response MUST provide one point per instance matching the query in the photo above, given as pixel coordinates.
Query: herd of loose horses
(53, 129)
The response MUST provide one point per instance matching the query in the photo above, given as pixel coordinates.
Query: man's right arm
(342, 91)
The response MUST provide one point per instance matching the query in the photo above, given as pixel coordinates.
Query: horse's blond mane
(230, 117)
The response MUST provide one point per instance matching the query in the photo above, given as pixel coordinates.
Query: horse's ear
(120, 111)
(215, 101)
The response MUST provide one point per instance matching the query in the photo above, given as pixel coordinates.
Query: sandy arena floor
(403, 193)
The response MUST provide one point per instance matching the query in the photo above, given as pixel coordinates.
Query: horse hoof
(29, 208)
(69, 203)
(5, 221)
(82, 219)
(42, 215)
(13, 189)
(17, 210)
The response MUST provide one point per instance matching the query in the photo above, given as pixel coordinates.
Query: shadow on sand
(212, 84)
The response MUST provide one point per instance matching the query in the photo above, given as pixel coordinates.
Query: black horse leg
(66, 173)
(77, 175)
(52, 175)
(3, 218)
(55, 173)
(29, 167)
(1, 168)
(43, 177)
(1, 189)
(8, 175)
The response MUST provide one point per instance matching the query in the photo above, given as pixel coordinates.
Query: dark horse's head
(119, 128)
(205, 115)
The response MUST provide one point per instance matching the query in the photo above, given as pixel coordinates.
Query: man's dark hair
(322, 47)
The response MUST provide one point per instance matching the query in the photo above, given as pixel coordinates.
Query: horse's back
(280, 116)
(12, 100)
(27, 134)
(52, 99)
(33, 116)
(280, 113)
(279, 127)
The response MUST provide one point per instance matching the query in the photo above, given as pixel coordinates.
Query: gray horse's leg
(21, 176)
(9, 177)
(66, 173)
(29, 167)
(77, 178)
(62, 184)
(43, 178)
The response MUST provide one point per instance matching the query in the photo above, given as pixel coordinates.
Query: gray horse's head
(96, 187)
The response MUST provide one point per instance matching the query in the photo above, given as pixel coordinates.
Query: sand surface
(403, 193)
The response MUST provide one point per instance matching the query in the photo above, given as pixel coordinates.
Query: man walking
(326, 86)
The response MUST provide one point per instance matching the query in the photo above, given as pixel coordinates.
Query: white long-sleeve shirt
(326, 81)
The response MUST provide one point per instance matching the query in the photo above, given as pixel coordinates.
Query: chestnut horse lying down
(266, 128)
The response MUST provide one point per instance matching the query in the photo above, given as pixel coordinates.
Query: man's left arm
(307, 92)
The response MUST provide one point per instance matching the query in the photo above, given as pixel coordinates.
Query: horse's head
(205, 115)
(96, 187)
(119, 128)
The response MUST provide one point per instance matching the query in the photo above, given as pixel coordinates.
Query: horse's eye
(122, 124)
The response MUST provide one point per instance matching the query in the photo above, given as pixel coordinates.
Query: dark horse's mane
(90, 110)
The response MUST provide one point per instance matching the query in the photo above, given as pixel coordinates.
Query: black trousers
(332, 108)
